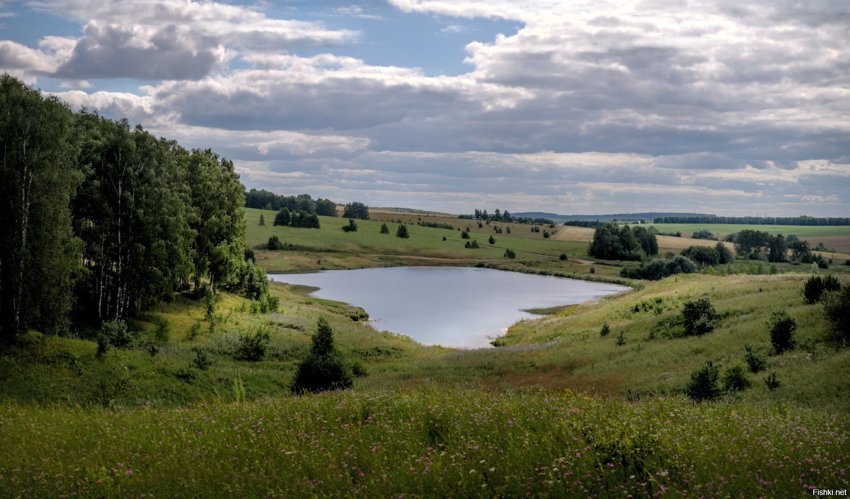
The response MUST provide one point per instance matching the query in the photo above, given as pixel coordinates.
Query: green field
(555, 410)
(834, 237)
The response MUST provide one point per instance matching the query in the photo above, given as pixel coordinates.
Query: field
(556, 410)
(832, 237)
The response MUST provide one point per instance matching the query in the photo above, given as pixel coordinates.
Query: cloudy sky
(591, 106)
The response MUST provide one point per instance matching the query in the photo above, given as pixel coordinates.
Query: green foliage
(252, 347)
(659, 268)
(621, 338)
(782, 328)
(113, 334)
(325, 207)
(772, 382)
(471, 244)
(356, 210)
(703, 384)
(702, 255)
(611, 242)
(699, 317)
(492, 240)
(402, 232)
(386, 230)
(724, 254)
(351, 227)
(836, 307)
(735, 379)
(606, 330)
(464, 235)
(39, 256)
(262, 220)
(755, 361)
(201, 360)
(815, 286)
(323, 369)
(275, 243)
(562, 257)
(283, 217)
(509, 253)
(703, 234)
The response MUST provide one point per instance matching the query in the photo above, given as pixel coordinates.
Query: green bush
(252, 347)
(113, 334)
(815, 286)
(201, 361)
(836, 307)
(755, 362)
(699, 317)
(703, 383)
(735, 380)
(385, 229)
(323, 369)
(351, 227)
(509, 253)
(402, 232)
(782, 328)
(606, 330)
(771, 382)
(275, 243)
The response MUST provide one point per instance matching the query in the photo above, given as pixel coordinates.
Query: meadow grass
(435, 441)
(556, 410)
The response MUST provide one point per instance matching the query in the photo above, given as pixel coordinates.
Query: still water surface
(450, 306)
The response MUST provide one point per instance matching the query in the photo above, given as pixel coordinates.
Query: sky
(733, 107)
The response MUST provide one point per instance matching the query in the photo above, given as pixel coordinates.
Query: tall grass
(436, 442)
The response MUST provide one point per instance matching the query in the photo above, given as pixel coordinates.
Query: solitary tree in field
(262, 219)
(402, 232)
(385, 229)
(492, 240)
(323, 369)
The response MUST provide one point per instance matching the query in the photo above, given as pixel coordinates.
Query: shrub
(113, 334)
(283, 217)
(385, 229)
(703, 234)
(509, 253)
(323, 369)
(252, 347)
(492, 240)
(194, 330)
(699, 317)
(471, 244)
(703, 383)
(464, 235)
(621, 339)
(771, 382)
(201, 360)
(563, 257)
(815, 286)
(702, 256)
(262, 219)
(782, 329)
(836, 307)
(735, 380)
(723, 253)
(351, 227)
(755, 362)
(402, 232)
(275, 243)
(606, 330)
(681, 265)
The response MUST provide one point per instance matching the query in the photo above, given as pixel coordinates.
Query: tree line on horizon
(266, 200)
(101, 221)
(714, 219)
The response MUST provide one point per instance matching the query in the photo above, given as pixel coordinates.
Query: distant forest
(612, 217)
(101, 220)
(265, 200)
(713, 219)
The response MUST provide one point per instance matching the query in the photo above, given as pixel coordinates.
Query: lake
(450, 306)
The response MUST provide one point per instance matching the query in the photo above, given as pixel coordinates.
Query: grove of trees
(356, 210)
(613, 242)
(266, 200)
(101, 221)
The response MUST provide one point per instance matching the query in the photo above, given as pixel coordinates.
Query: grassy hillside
(557, 409)
(424, 441)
